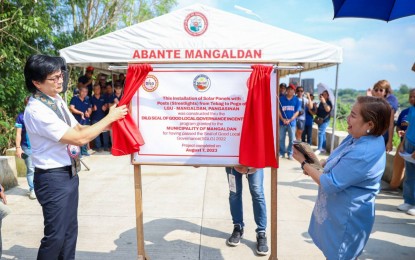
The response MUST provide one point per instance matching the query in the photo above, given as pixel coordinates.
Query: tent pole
(274, 185)
(335, 109)
(141, 253)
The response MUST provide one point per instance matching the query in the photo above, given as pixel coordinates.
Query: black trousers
(57, 193)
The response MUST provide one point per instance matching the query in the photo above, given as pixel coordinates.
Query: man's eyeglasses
(378, 90)
(300, 90)
(56, 78)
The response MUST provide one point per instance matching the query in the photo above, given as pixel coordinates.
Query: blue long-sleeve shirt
(344, 212)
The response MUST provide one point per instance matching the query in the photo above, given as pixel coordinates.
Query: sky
(372, 49)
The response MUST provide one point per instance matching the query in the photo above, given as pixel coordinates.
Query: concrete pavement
(186, 216)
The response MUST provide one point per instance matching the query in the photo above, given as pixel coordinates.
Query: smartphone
(24, 156)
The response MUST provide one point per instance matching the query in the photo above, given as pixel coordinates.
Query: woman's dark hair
(38, 67)
(376, 110)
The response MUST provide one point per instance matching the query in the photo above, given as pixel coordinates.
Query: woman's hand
(413, 155)
(298, 156)
(323, 162)
(389, 147)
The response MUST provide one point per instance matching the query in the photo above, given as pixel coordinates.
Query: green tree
(44, 26)
(25, 29)
(404, 89)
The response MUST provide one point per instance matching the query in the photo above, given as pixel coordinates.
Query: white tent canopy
(202, 34)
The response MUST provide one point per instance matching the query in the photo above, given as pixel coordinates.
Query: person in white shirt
(55, 137)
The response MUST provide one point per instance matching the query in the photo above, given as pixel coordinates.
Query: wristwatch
(302, 164)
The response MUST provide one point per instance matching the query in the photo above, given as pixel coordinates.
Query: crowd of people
(344, 211)
(297, 114)
(92, 99)
(49, 134)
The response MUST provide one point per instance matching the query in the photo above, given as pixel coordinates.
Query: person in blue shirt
(307, 134)
(81, 110)
(289, 110)
(24, 151)
(409, 182)
(398, 162)
(86, 81)
(99, 107)
(383, 89)
(344, 211)
(117, 95)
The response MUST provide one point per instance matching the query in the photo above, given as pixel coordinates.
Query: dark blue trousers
(57, 193)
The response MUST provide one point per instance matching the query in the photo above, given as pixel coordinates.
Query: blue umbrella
(386, 10)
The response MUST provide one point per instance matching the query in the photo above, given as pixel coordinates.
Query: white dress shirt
(45, 129)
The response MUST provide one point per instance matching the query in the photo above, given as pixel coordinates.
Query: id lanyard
(73, 150)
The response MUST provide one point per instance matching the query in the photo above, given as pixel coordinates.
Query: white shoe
(411, 211)
(405, 207)
(32, 195)
(317, 152)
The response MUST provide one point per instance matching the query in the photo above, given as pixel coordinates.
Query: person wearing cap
(289, 109)
(86, 80)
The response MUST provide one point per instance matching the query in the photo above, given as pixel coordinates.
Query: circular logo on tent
(151, 83)
(195, 24)
(201, 83)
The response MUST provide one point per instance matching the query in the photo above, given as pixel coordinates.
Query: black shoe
(261, 247)
(236, 236)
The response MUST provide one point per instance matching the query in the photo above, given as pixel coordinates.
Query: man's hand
(19, 152)
(117, 113)
(244, 169)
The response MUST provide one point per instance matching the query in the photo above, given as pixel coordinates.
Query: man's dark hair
(38, 67)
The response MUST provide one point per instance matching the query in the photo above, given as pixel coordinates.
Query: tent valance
(201, 34)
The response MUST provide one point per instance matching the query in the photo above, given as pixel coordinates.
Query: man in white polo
(55, 137)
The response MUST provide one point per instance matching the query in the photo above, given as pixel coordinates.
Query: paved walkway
(186, 215)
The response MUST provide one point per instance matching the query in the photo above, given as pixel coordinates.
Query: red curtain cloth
(257, 138)
(126, 137)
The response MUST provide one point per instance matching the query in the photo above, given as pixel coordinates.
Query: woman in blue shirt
(344, 212)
